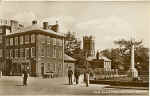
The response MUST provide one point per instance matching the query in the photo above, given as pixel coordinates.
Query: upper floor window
(11, 41)
(27, 39)
(54, 51)
(33, 52)
(1, 38)
(21, 52)
(48, 39)
(7, 41)
(1, 30)
(59, 41)
(1, 53)
(32, 38)
(42, 50)
(8, 31)
(27, 52)
(60, 53)
(16, 52)
(42, 38)
(21, 39)
(48, 51)
(54, 41)
(16, 40)
(11, 53)
(7, 53)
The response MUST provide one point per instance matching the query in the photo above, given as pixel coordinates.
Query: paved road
(58, 86)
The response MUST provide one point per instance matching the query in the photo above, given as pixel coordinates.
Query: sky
(106, 21)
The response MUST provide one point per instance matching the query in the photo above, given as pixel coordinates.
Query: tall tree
(72, 45)
(121, 56)
(141, 53)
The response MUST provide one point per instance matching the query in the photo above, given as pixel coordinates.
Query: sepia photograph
(70, 48)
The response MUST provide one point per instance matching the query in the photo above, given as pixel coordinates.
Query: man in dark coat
(77, 74)
(70, 73)
(25, 78)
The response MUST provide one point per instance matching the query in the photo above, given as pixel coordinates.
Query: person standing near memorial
(70, 73)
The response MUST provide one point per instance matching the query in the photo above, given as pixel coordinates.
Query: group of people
(70, 76)
(77, 75)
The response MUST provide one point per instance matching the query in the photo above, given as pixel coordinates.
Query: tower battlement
(88, 38)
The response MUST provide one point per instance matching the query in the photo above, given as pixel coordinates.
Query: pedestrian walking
(77, 74)
(70, 73)
(25, 78)
(86, 78)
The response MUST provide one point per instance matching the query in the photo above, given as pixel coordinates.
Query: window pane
(32, 38)
(1, 30)
(11, 41)
(1, 38)
(7, 41)
(11, 53)
(21, 39)
(42, 38)
(16, 40)
(42, 50)
(54, 51)
(27, 53)
(1, 53)
(54, 41)
(33, 52)
(26, 39)
(21, 52)
(49, 40)
(7, 53)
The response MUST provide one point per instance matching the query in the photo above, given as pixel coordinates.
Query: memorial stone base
(132, 73)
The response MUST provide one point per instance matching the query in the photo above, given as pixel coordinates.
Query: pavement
(12, 85)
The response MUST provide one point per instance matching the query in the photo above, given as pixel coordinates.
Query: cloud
(25, 17)
(106, 30)
(66, 22)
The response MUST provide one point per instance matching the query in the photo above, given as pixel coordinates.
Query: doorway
(42, 68)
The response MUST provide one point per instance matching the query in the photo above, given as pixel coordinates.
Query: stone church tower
(89, 45)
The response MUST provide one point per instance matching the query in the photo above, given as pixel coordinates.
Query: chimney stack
(45, 25)
(34, 22)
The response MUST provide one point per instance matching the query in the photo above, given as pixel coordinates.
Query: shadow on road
(66, 84)
(19, 85)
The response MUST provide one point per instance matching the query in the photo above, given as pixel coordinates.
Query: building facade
(35, 49)
(6, 27)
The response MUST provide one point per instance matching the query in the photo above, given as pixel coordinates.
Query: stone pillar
(132, 73)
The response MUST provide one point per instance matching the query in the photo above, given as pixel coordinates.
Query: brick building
(39, 50)
(6, 27)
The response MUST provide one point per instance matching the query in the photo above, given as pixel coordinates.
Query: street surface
(12, 85)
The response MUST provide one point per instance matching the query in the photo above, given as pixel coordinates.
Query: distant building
(89, 45)
(39, 50)
(98, 64)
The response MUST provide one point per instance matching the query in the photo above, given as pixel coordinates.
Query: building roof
(35, 27)
(91, 58)
(68, 58)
